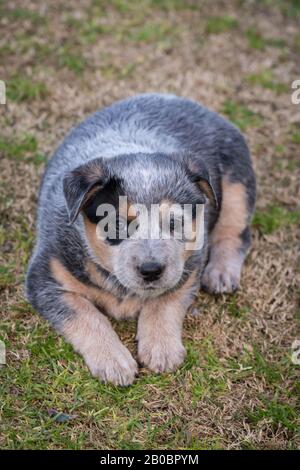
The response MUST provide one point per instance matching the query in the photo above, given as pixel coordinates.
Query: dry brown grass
(239, 386)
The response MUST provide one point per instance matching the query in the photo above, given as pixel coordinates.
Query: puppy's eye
(132, 228)
(176, 224)
(120, 225)
(118, 231)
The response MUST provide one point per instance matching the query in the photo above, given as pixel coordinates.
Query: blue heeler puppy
(153, 149)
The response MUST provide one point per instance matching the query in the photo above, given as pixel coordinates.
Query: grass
(5, 50)
(6, 276)
(262, 367)
(265, 79)
(297, 42)
(88, 30)
(220, 24)
(257, 41)
(21, 89)
(238, 388)
(51, 368)
(23, 14)
(54, 393)
(123, 6)
(273, 218)
(23, 148)
(112, 71)
(151, 32)
(289, 8)
(235, 309)
(278, 414)
(42, 50)
(72, 61)
(211, 381)
(296, 137)
(242, 116)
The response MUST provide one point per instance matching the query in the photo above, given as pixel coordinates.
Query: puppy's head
(141, 215)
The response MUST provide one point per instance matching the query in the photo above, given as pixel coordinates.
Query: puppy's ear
(199, 174)
(81, 184)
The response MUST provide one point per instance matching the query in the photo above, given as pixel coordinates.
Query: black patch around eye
(114, 241)
(172, 224)
(121, 232)
(108, 195)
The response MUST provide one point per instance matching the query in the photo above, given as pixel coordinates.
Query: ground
(238, 388)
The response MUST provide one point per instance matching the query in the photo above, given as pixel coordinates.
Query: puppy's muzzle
(151, 271)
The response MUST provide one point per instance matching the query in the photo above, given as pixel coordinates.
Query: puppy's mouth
(149, 287)
(149, 291)
(145, 290)
(152, 289)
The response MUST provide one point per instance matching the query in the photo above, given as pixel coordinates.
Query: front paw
(116, 366)
(161, 355)
(220, 279)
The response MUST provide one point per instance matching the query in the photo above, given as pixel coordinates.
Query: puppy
(151, 149)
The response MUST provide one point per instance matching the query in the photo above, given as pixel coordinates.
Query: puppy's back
(147, 123)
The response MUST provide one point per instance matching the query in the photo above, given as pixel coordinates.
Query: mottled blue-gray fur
(146, 141)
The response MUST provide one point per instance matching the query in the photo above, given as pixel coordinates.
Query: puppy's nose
(151, 271)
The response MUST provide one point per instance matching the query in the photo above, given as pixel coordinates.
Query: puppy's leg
(159, 336)
(92, 335)
(229, 240)
(61, 301)
(159, 329)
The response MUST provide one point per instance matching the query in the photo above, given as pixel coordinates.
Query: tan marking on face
(208, 191)
(123, 207)
(233, 215)
(102, 250)
(166, 202)
(119, 308)
(127, 209)
(89, 195)
(126, 308)
(132, 213)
